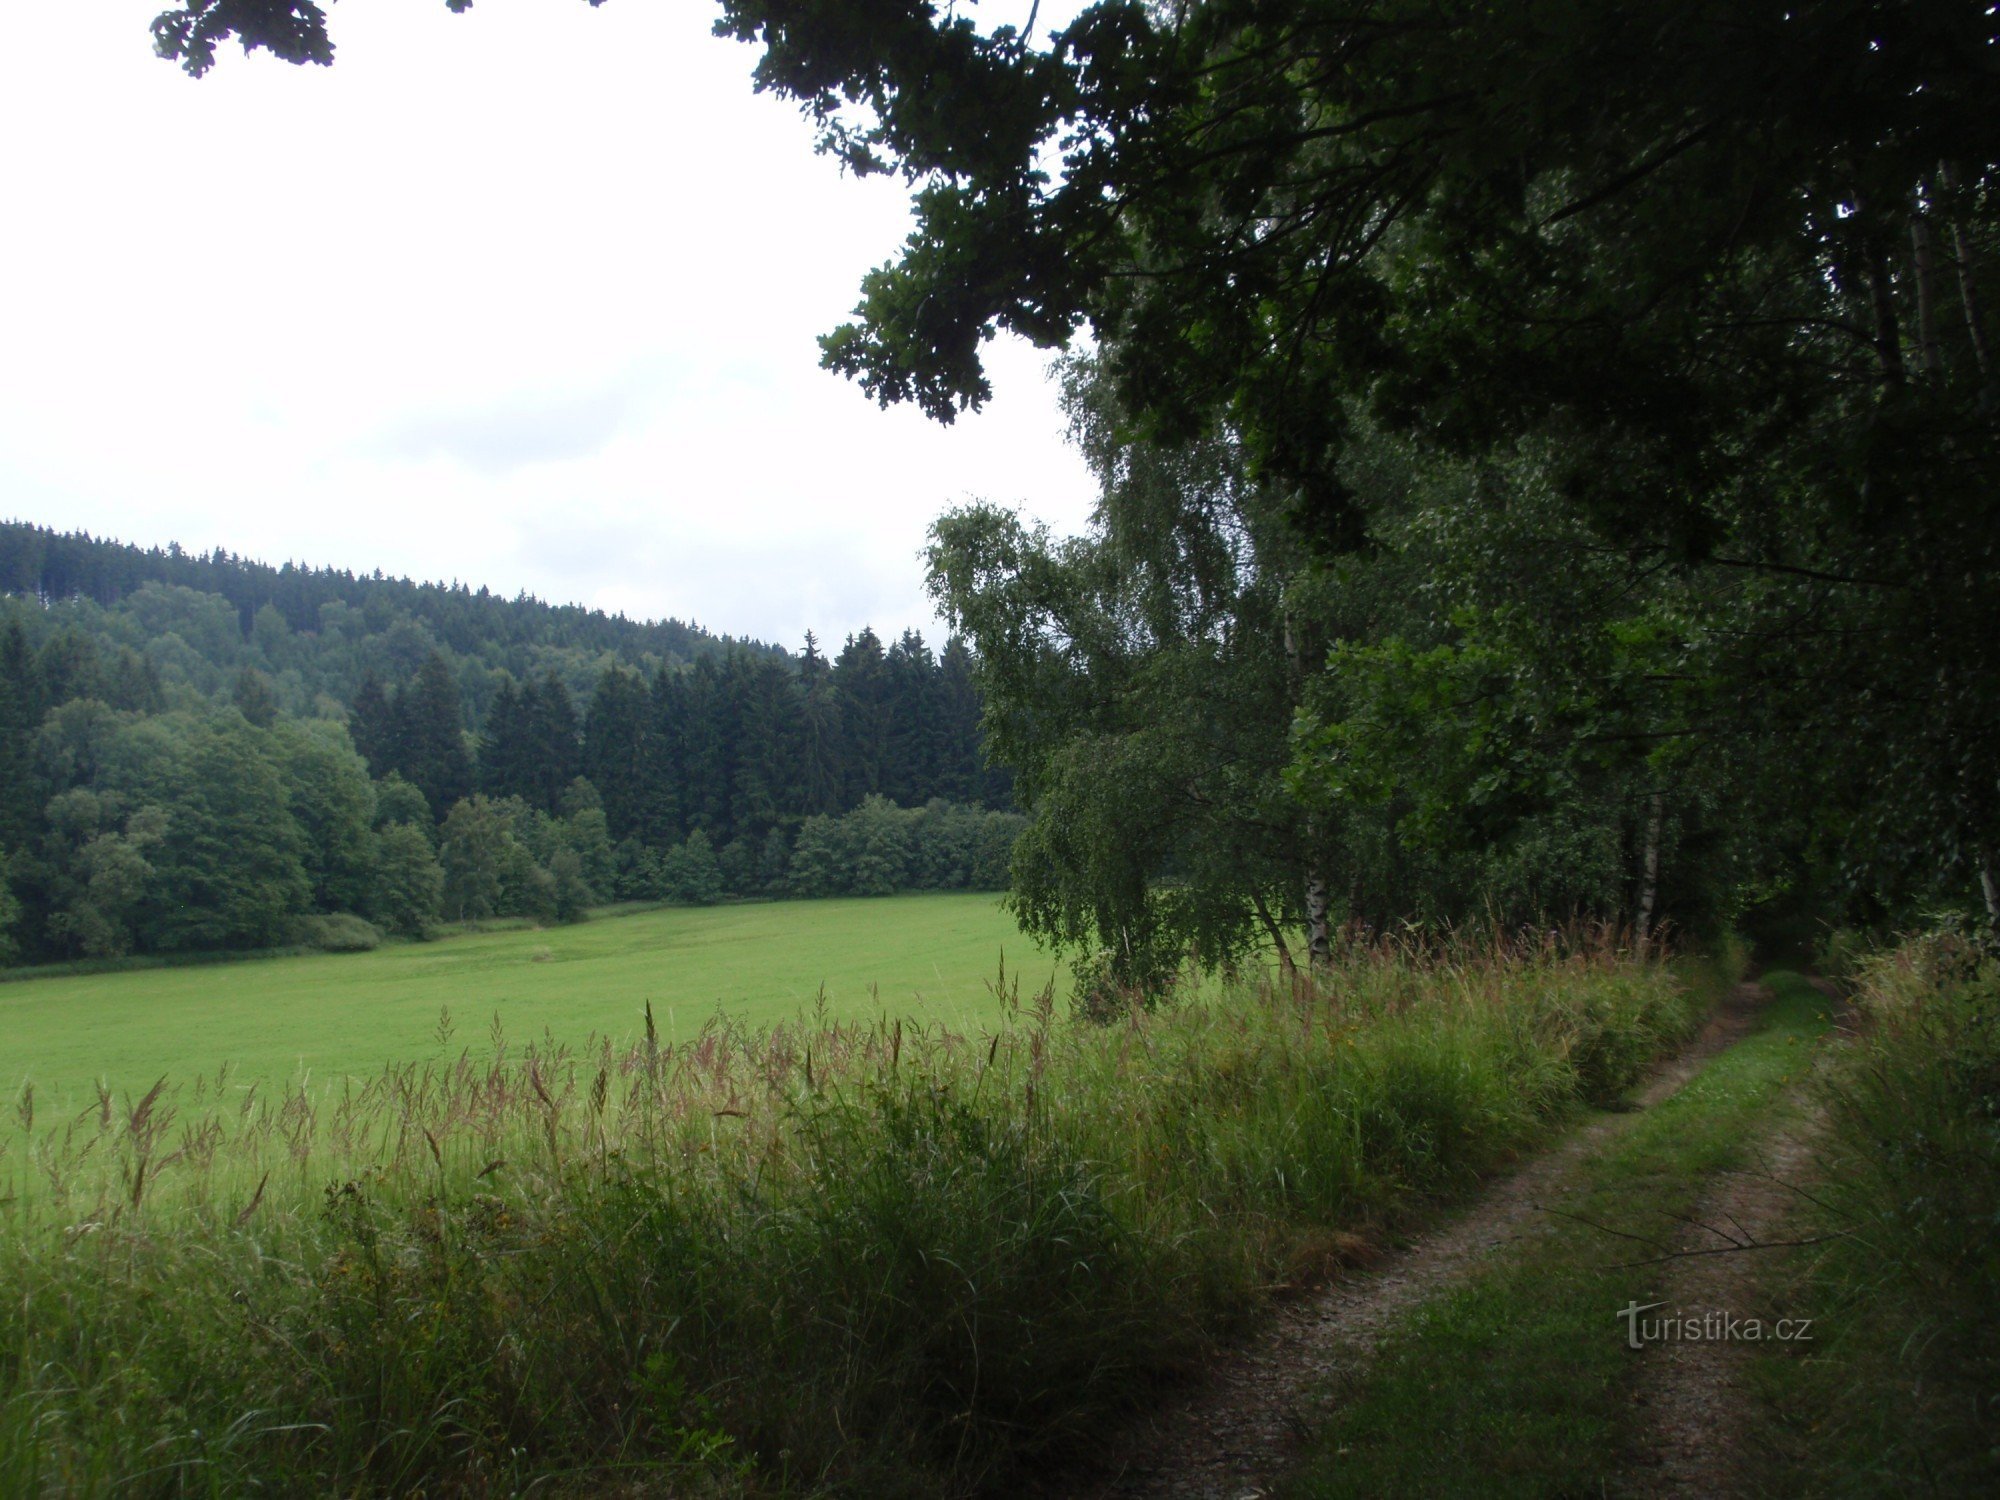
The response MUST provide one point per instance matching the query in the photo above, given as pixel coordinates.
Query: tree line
(1548, 467)
(401, 619)
(162, 791)
(1539, 450)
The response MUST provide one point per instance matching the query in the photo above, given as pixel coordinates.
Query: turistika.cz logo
(1707, 1327)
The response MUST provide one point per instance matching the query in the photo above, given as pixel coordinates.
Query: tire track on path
(1240, 1429)
(1694, 1391)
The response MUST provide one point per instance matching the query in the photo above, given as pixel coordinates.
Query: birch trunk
(1649, 883)
(1991, 888)
(1928, 359)
(1888, 338)
(1277, 937)
(1319, 933)
(1968, 292)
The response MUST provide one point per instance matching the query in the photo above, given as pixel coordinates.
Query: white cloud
(525, 297)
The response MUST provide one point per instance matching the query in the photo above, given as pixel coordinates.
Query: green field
(928, 957)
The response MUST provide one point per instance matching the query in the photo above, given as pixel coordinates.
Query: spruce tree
(131, 682)
(20, 811)
(502, 748)
(860, 676)
(553, 740)
(821, 740)
(253, 698)
(909, 753)
(705, 736)
(614, 748)
(68, 667)
(371, 724)
(432, 740)
(663, 787)
(10, 914)
(957, 777)
(765, 758)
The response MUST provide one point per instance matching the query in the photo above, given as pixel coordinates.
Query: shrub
(342, 932)
(1908, 1282)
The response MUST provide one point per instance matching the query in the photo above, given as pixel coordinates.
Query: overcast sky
(525, 297)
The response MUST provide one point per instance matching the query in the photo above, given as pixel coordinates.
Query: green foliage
(635, 872)
(430, 739)
(97, 870)
(231, 851)
(297, 613)
(572, 896)
(879, 848)
(1719, 422)
(168, 832)
(1901, 1382)
(614, 749)
(587, 834)
(737, 743)
(774, 861)
(342, 932)
(254, 699)
(530, 749)
(819, 858)
(689, 872)
(878, 832)
(1223, 742)
(334, 804)
(407, 894)
(397, 802)
(473, 850)
(10, 912)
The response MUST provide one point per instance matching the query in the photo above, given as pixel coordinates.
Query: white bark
(1968, 292)
(1649, 883)
(1277, 936)
(1888, 338)
(1928, 359)
(1319, 932)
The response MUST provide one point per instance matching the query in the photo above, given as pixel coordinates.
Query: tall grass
(867, 1259)
(1904, 1382)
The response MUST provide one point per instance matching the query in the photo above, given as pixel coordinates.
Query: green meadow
(930, 958)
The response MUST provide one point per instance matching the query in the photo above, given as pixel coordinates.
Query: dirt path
(1235, 1434)
(1693, 1389)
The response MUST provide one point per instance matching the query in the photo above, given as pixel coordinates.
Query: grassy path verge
(1899, 1391)
(1520, 1380)
(1243, 1422)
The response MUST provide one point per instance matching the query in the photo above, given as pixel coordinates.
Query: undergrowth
(1518, 1380)
(831, 1258)
(1901, 1393)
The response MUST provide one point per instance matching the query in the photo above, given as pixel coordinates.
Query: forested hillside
(205, 753)
(351, 624)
